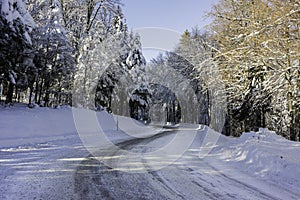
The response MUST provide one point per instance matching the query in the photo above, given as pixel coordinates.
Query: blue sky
(177, 15)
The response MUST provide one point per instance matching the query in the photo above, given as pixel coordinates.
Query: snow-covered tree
(53, 58)
(104, 58)
(139, 103)
(194, 60)
(103, 48)
(126, 72)
(258, 53)
(16, 24)
(167, 74)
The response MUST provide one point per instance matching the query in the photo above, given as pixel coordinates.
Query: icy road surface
(63, 169)
(187, 178)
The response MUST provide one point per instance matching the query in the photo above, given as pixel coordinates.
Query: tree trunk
(10, 93)
(30, 94)
(40, 92)
(291, 117)
(36, 90)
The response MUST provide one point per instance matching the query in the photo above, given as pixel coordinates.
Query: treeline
(250, 57)
(258, 53)
(50, 49)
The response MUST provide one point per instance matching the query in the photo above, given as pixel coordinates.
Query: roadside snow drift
(263, 154)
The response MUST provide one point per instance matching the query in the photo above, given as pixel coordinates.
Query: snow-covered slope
(20, 125)
(40, 151)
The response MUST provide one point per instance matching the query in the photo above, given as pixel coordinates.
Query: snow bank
(20, 125)
(263, 154)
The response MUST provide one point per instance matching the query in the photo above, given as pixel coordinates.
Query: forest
(242, 70)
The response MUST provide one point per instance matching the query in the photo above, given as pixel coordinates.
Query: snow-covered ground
(41, 154)
(265, 155)
(40, 150)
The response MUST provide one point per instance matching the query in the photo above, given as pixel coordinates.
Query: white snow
(264, 155)
(12, 75)
(16, 9)
(19, 11)
(40, 151)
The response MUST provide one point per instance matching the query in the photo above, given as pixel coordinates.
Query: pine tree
(16, 24)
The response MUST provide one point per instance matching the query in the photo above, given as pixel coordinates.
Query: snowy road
(63, 169)
(187, 178)
(40, 170)
(48, 160)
